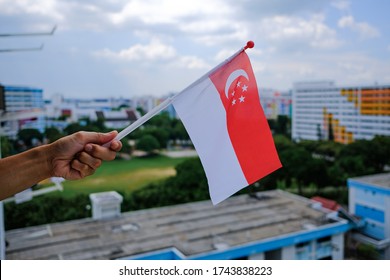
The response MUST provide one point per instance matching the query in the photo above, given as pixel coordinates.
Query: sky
(132, 48)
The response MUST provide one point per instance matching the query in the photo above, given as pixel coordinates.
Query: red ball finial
(249, 45)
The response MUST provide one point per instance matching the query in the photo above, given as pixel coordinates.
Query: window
(273, 255)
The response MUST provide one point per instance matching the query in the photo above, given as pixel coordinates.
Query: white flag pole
(169, 100)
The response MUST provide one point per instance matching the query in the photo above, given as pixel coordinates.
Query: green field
(124, 175)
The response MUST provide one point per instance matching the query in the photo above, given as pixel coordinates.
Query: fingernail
(88, 148)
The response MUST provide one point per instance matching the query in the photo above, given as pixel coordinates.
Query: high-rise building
(24, 107)
(322, 110)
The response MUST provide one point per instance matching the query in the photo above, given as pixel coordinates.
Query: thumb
(98, 137)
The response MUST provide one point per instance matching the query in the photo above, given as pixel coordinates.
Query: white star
(244, 88)
(233, 93)
(234, 102)
(242, 98)
(238, 84)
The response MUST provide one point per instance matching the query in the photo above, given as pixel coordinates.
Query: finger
(100, 152)
(95, 137)
(91, 161)
(83, 169)
(116, 145)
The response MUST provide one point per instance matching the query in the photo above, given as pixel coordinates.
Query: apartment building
(23, 107)
(322, 110)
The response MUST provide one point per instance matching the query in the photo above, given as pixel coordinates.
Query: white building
(320, 109)
(369, 198)
(75, 109)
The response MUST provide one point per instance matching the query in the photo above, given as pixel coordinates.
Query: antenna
(30, 33)
(49, 33)
(23, 49)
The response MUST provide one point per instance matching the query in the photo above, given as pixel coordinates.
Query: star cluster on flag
(238, 94)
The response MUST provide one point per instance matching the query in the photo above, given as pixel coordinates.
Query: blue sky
(126, 48)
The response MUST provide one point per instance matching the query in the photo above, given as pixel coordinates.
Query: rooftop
(192, 228)
(380, 180)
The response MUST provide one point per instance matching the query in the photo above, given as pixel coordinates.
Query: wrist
(44, 155)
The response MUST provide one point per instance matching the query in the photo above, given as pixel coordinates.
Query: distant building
(24, 108)
(267, 225)
(74, 109)
(369, 198)
(118, 119)
(146, 103)
(275, 103)
(322, 110)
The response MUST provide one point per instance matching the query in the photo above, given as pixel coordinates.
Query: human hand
(80, 154)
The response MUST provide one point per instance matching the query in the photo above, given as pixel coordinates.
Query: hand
(80, 154)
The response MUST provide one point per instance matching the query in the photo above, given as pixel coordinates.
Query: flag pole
(126, 131)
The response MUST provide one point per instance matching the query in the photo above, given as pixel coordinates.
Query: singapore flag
(226, 123)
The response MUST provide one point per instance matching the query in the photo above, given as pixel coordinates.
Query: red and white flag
(226, 123)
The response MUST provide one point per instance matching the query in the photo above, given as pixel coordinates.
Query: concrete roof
(192, 228)
(380, 180)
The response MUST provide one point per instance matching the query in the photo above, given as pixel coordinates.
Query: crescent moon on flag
(234, 75)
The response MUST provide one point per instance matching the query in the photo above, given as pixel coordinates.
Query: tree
(52, 134)
(28, 135)
(162, 136)
(178, 131)
(73, 127)
(295, 165)
(6, 147)
(283, 124)
(330, 130)
(316, 173)
(148, 143)
(329, 148)
(161, 120)
(319, 132)
(283, 143)
(379, 155)
(141, 111)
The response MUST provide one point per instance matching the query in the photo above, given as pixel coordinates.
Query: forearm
(71, 157)
(23, 170)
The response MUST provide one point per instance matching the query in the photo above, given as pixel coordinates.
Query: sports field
(124, 175)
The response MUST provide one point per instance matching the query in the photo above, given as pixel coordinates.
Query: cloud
(296, 31)
(204, 22)
(342, 5)
(346, 68)
(154, 51)
(174, 42)
(166, 11)
(46, 8)
(191, 62)
(364, 30)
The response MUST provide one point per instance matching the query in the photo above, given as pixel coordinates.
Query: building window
(273, 255)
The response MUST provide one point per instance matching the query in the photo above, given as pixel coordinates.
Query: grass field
(124, 175)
